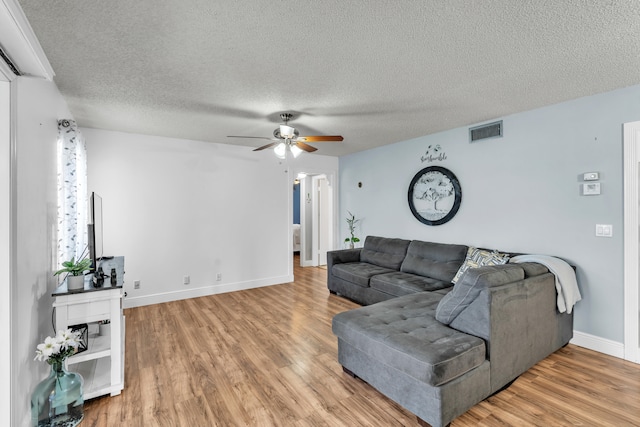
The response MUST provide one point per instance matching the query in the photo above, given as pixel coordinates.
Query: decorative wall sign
(433, 153)
(434, 195)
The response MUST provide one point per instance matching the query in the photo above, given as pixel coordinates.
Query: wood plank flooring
(267, 357)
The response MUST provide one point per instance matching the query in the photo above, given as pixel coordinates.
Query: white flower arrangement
(56, 349)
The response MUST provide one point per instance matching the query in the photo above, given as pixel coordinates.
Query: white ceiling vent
(491, 130)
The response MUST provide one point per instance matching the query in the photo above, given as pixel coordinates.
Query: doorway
(631, 241)
(317, 213)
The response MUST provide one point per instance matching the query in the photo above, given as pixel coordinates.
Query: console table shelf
(102, 364)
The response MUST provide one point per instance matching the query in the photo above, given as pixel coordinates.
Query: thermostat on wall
(591, 176)
(591, 189)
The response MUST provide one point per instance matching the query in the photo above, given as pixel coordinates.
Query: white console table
(102, 364)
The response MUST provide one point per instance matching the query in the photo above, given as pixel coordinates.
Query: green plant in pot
(75, 270)
(351, 222)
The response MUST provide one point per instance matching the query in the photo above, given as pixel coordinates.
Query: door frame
(631, 241)
(332, 180)
(318, 209)
(7, 239)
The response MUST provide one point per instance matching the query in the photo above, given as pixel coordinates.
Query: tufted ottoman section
(403, 333)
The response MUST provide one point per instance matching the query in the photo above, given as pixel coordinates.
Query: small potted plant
(75, 271)
(351, 222)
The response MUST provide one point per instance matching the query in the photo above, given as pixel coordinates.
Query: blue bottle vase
(57, 400)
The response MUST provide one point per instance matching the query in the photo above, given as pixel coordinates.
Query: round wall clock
(434, 195)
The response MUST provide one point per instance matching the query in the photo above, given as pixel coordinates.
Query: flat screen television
(94, 230)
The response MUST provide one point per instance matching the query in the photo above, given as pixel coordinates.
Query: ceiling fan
(288, 138)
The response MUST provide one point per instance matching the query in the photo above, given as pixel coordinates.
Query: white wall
(177, 207)
(519, 193)
(38, 106)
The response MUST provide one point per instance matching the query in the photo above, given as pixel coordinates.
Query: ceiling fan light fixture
(295, 150)
(280, 150)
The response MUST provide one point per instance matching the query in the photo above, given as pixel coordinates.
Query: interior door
(324, 201)
(321, 219)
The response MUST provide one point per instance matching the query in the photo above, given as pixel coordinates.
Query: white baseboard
(601, 345)
(130, 302)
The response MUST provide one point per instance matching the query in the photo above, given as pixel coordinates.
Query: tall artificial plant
(351, 222)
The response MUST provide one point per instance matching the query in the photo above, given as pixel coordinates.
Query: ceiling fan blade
(253, 137)
(321, 138)
(266, 146)
(306, 147)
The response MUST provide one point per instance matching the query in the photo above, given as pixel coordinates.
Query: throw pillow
(479, 258)
(470, 286)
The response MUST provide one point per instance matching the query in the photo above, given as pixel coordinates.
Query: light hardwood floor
(267, 357)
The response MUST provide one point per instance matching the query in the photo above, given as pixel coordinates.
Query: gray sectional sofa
(436, 348)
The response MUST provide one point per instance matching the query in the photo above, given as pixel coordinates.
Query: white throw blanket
(566, 283)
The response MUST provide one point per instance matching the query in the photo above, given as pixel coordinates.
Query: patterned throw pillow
(479, 258)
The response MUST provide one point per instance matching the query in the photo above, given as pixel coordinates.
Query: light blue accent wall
(520, 193)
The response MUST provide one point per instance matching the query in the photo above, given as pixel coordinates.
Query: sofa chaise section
(436, 348)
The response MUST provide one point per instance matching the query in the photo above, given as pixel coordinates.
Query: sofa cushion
(403, 333)
(398, 283)
(384, 252)
(358, 273)
(469, 287)
(479, 258)
(531, 269)
(437, 260)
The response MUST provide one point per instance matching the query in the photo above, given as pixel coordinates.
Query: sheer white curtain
(73, 202)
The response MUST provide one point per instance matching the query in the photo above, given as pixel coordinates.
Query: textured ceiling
(376, 72)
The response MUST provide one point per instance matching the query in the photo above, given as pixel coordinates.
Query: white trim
(288, 186)
(6, 75)
(631, 241)
(315, 214)
(6, 240)
(21, 43)
(601, 345)
(13, 244)
(206, 290)
(304, 188)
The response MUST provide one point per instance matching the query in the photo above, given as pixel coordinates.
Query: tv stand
(102, 364)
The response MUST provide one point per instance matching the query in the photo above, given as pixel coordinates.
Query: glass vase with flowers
(57, 400)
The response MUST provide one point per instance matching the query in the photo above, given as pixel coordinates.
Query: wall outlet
(186, 280)
(604, 230)
(218, 277)
(136, 284)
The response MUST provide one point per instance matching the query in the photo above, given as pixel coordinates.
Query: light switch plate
(591, 189)
(604, 230)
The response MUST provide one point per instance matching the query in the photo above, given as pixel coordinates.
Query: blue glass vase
(57, 400)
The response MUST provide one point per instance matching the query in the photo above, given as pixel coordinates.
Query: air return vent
(491, 130)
